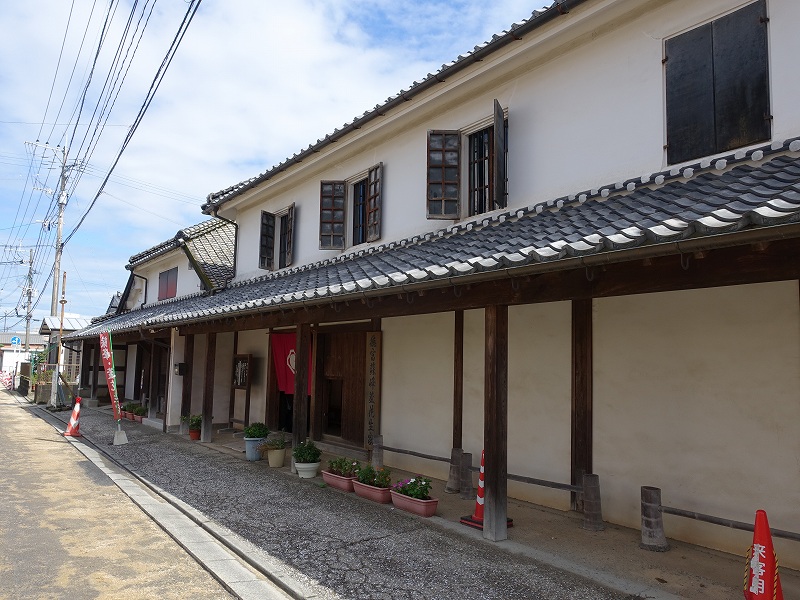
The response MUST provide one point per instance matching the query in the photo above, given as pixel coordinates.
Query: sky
(250, 83)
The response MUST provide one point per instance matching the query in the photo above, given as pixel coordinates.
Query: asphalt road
(67, 531)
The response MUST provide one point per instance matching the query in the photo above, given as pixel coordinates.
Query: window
(717, 87)
(267, 248)
(487, 162)
(365, 215)
(168, 284)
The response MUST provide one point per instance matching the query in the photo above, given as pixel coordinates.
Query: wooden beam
(186, 389)
(208, 388)
(582, 366)
(300, 411)
(458, 379)
(495, 424)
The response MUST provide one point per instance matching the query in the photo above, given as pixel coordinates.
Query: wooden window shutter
(741, 86)
(690, 95)
(289, 234)
(444, 175)
(374, 198)
(331, 215)
(499, 183)
(266, 244)
(717, 85)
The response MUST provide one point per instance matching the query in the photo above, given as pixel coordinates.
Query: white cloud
(252, 83)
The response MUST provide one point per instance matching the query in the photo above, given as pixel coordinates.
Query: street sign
(16, 340)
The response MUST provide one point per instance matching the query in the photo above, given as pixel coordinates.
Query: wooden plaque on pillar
(372, 392)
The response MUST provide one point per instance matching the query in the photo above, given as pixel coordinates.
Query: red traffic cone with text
(73, 430)
(476, 520)
(761, 579)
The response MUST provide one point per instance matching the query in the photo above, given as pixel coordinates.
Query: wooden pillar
(152, 384)
(454, 483)
(495, 424)
(208, 389)
(232, 397)
(458, 379)
(581, 455)
(95, 369)
(186, 389)
(300, 410)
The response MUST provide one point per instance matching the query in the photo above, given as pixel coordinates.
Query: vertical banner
(111, 376)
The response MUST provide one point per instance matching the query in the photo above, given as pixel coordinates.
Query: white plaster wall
(539, 397)
(223, 372)
(130, 371)
(256, 342)
(188, 281)
(417, 405)
(417, 391)
(696, 392)
(198, 373)
(585, 99)
(175, 382)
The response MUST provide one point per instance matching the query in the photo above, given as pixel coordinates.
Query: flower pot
(376, 494)
(423, 508)
(138, 418)
(306, 470)
(338, 481)
(276, 456)
(194, 434)
(251, 448)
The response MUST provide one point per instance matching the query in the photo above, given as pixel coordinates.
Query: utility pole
(62, 203)
(30, 303)
(57, 370)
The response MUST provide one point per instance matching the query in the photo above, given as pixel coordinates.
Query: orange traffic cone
(74, 427)
(476, 520)
(761, 579)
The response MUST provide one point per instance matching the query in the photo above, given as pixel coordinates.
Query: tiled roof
(210, 242)
(54, 324)
(760, 188)
(479, 53)
(34, 339)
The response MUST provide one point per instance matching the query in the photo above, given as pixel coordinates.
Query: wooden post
(300, 411)
(186, 389)
(453, 485)
(208, 389)
(581, 460)
(151, 383)
(95, 370)
(495, 428)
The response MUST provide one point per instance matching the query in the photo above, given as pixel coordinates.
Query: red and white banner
(107, 354)
(761, 579)
(285, 356)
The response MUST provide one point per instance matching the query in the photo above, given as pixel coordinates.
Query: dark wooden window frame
(487, 167)
(168, 284)
(444, 174)
(717, 85)
(365, 221)
(266, 245)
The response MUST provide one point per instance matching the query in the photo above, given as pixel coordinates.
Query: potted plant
(275, 449)
(139, 413)
(341, 473)
(374, 484)
(413, 495)
(254, 434)
(195, 423)
(306, 459)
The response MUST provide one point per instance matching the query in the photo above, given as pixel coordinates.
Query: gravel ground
(355, 548)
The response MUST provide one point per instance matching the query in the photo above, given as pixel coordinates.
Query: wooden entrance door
(341, 385)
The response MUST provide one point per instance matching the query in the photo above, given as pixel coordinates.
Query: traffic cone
(74, 427)
(761, 578)
(476, 520)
